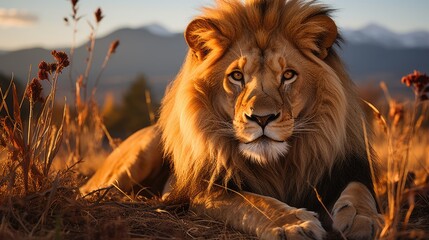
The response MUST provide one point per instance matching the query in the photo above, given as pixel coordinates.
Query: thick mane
(198, 136)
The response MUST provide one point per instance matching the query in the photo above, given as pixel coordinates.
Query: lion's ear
(328, 37)
(203, 37)
(319, 33)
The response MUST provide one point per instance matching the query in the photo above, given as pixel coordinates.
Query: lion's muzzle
(262, 120)
(262, 126)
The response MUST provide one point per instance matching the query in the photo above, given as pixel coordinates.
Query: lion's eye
(236, 76)
(289, 76)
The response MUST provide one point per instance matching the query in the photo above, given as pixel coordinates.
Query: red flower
(44, 71)
(34, 91)
(419, 82)
(53, 67)
(62, 60)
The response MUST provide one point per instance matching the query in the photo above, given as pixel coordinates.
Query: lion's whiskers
(305, 125)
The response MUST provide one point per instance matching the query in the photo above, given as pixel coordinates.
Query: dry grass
(55, 210)
(39, 197)
(67, 216)
(402, 144)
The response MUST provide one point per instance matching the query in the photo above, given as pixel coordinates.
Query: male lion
(261, 116)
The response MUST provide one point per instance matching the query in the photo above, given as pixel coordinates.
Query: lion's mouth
(263, 139)
(264, 149)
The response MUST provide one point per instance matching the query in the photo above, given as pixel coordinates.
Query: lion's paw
(304, 226)
(352, 224)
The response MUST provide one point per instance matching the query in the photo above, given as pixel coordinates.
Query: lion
(262, 128)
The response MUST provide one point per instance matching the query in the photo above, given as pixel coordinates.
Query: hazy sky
(29, 23)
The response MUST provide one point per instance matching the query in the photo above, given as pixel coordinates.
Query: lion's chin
(264, 150)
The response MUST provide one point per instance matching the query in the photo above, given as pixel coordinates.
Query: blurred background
(384, 40)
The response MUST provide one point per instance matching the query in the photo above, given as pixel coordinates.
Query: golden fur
(261, 114)
(200, 138)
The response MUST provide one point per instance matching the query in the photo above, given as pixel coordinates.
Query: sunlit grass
(402, 144)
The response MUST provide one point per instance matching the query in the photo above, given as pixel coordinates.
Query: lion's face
(260, 83)
(267, 89)
(267, 77)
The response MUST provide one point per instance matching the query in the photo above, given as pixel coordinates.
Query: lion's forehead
(263, 63)
(274, 58)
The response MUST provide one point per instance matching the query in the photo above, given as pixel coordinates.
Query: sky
(30, 23)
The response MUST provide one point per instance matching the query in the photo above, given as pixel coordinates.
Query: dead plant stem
(89, 63)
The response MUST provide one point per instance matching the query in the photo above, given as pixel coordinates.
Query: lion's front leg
(139, 157)
(266, 217)
(355, 213)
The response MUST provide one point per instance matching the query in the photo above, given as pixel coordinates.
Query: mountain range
(371, 54)
(377, 35)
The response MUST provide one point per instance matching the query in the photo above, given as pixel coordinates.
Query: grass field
(44, 160)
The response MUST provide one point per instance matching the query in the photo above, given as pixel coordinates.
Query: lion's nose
(263, 120)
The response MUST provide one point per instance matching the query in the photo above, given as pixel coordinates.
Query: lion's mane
(198, 136)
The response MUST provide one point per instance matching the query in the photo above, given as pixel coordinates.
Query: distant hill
(158, 57)
(371, 54)
(374, 34)
(370, 63)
